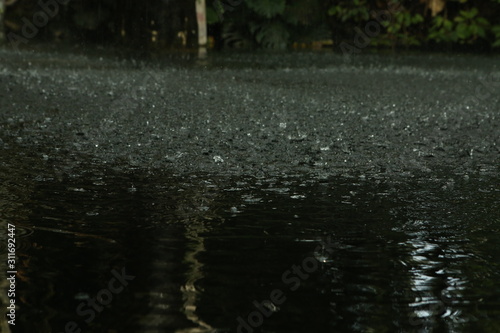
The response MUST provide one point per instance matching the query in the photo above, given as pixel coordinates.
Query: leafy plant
(356, 10)
(400, 30)
(304, 12)
(442, 30)
(271, 35)
(277, 23)
(465, 28)
(267, 8)
(272, 24)
(496, 32)
(214, 13)
(470, 26)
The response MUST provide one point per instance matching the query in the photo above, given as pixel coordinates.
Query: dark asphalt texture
(254, 114)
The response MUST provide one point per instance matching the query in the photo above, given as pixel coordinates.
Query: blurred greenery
(356, 11)
(465, 28)
(401, 30)
(272, 24)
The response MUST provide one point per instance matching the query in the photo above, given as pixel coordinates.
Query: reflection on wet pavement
(409, 254)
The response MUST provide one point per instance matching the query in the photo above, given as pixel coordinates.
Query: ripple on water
(384, 255)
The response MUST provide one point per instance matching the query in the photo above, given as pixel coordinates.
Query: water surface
(354, 253)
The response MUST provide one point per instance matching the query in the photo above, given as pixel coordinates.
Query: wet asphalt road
(254, 114)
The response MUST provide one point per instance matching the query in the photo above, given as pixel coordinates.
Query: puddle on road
(360, 253)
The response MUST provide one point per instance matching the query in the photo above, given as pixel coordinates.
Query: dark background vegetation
(275, 24)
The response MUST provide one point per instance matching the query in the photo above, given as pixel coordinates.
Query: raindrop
(218, 159)
(82, 296)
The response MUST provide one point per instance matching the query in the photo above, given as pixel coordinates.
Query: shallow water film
(106, 251)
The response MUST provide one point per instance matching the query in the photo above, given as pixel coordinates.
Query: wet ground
(264, 113)
(252, 192)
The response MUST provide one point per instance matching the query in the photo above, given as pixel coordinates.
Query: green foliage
(356, 10)
(271, 35)
(470, 26)
(267, 8)
(400, 30)
(274, 24)
(268, 30)
(442, 30)
(496, 32)
(277, 23)
(465, 28)
(214, 13)
(303, 13)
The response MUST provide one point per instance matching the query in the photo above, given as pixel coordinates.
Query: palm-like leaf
(267, 8)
